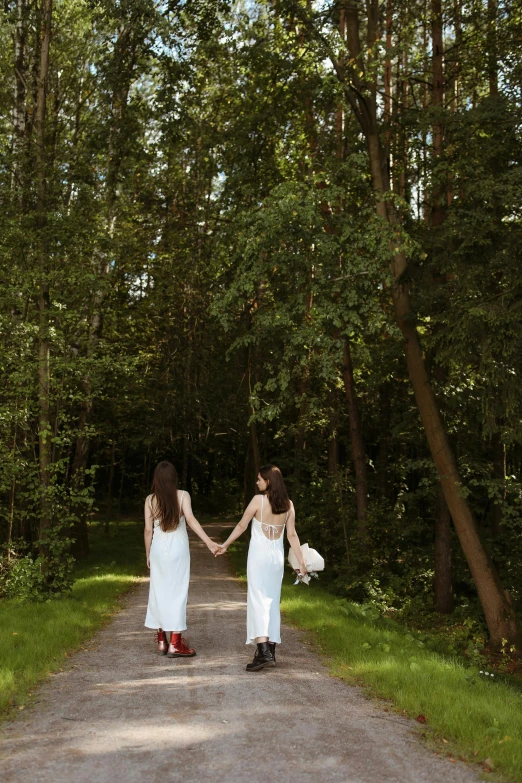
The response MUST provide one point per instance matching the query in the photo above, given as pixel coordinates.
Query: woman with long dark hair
(167, 509)
(270, 512)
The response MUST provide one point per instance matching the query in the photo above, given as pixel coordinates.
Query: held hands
(220, 550)
(213, 547)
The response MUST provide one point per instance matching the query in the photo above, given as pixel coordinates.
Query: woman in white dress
(270, 512)
(167, 511)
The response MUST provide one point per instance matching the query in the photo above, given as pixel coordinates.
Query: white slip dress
(169, 577)
(265, 567)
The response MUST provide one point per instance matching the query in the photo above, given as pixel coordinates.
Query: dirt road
(122, 712)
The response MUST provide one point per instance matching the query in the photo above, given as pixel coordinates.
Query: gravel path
(122, 712)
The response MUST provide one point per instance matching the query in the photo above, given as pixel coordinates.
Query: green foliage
(27, 577)
(37, 638)
(210, 242)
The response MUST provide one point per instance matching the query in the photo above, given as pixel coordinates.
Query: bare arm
(293, 539)
(192, 522)
(147, 534)
(250, 512)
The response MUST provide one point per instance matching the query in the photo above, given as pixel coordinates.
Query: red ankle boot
(161, 639)
(178, 647)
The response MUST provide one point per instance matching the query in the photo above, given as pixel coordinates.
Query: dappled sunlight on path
(124, 712)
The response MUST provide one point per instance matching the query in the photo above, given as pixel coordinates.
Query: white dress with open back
(169, 576)
(265, 567)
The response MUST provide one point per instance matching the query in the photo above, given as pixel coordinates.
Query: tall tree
(361, 93)
(44, 370)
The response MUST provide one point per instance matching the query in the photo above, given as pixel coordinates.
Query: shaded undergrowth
(38, 637)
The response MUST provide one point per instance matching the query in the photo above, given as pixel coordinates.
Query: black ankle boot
(272, 646)
(262, 658)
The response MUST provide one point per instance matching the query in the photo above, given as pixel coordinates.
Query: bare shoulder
(183, 500)
(254, 505)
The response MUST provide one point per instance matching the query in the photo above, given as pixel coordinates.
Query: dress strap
(262, 500)
(181, 504)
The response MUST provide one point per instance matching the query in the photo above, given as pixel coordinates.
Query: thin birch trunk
(437, 101)
(44, 370)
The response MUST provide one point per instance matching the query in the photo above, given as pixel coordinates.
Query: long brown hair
(165, 493)
(276, 490)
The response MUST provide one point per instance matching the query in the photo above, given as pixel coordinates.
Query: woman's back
(155, 512)
(272, 525)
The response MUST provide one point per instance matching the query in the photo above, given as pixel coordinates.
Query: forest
(269, 231)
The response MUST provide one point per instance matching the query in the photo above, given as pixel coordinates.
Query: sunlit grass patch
(37, 638)
(481, 717)
(476, 716)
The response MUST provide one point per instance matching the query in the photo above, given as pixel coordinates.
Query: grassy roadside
(37, 638)
(465, 714)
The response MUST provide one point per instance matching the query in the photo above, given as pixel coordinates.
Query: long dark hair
(276, 490)
(165, 492)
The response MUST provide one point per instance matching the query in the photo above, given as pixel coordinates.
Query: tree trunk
(20, 90)
(438, 188)
(443, 587)
(79, 532)
(388, 72)
(146, 470)
(383, 480)
(333, 442)
(357, 443)
(492, 48)
(108, 513)
(342, 509)
(10, 520)
(498, 612)
(187, 415)
(300, 438)
(124, 61)
(120, 492)
(458, 46)
(252, 464)
(499, 472)
(424, 175)
(44, 372)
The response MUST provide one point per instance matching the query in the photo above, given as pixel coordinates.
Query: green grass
(37, 638)
(467, 714)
